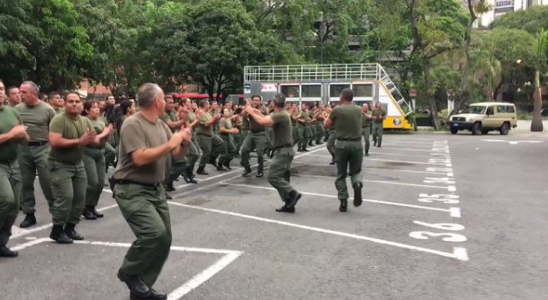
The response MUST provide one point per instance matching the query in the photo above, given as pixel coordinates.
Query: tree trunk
(536, 125)
(467, 76)
(431, 99)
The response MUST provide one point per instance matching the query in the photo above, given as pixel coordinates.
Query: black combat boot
(201, 171)
(30, 220)
(88, 214)
(71, 232)
(343, 206)
(95, 212)
(247, 171)
(6, 252)
(357, 194)
(293, 198)
(58, 234)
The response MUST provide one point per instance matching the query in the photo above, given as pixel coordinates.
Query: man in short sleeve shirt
(347, 117)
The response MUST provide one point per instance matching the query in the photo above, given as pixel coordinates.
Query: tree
(215, 40)
(542, 50)
(43, 41)
(530, 20)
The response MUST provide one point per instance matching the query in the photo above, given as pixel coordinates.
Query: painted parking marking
(432, 161)
(451, 211)
(228, 257)
(458, 253)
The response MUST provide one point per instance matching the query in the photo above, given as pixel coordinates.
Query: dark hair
(53, 94)
(279, 100)
(87, 106)
(10, 88)
(202, 103)
(238, 111)
(347, 94)
(119, 113)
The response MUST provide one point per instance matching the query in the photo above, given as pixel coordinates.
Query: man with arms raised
(347, 118)
(145, 143)
(279, 171)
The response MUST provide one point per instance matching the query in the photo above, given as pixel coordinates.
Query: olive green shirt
(283, 130)
(348, 119)
(99, 126)
(202, 129)
(379, 112)
(71, 129)
(171, 116)
(225, 123)
(140, 133)
(58, 110)
(306, 116)
(245, 123)
(366, 118)
(9, 118)
(37, 119)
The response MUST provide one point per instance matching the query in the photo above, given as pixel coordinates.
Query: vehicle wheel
(454, 130)
(476, 130)
(484, 131)
(505, 129)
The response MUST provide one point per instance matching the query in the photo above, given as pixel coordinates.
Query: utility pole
(321, 37)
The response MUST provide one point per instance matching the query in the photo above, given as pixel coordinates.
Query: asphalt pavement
(444, 217)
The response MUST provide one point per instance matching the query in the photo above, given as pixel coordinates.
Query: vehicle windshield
(477, 109)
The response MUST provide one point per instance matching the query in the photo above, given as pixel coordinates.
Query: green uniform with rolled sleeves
(142, 199)
(34, 155)
(378, 126)
(366, 130)
(319, 128)
(10, 175)
(209, 142)
(255, 139)
(303, 130)
(331, 142)
(193, 153)
(228, 138)
(348, 146)
(67, 170)
(94, 164)
(244, 132)
(174, 168)
(279, 171)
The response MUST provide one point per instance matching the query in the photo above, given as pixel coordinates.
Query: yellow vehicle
(480, 118)
(314, 83)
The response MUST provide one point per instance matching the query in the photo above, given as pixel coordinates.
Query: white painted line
(229, 256)
(18, 231)
(402, 154)
(454, 212)
(205, 179)
(349, 199)
(29, 244)
(203, 276)
(398, 161)
(379, 181)
(412, 149)
(458, 253)
(369, 168)
(178, 195)
(46, 226)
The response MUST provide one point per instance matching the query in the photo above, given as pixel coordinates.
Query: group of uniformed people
(70, 144)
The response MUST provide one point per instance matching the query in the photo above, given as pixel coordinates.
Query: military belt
(36, 144)
(349, 140)
(127, 181)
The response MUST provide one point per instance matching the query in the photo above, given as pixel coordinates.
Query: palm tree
(536, 124)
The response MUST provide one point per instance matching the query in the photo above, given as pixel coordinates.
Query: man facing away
(145, 144)
(347, 118)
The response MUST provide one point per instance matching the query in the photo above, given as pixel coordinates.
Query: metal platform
(289, 73)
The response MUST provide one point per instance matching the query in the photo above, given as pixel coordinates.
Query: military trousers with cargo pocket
(349, 155)
(94, 163)
(211, 147)
(253, 141)
(366, 132)
(331, 144)
(69, 184)
(279, 172)
(32, 160)
(146, 211)
(377, 134)
(10, 192)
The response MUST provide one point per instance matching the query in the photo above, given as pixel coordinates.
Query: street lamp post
(321, 37)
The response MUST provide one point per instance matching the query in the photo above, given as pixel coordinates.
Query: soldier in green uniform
(208, 141)
(279, 171)
(174, 168)
(11, 133)
(14, 96)
(94, 160)
(193, 154)
(331, 140)
(145, 143)
(56, 102)
(378, 115)
(69, 133)
(293, 112)
(245, 130)
(311, 126)
(366, 127)
(256, 139)
(302, 122)
(36, 115)
(348, 147)
(320, 129)
(227, 132)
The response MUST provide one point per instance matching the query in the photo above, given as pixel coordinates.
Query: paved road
(446, 217)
